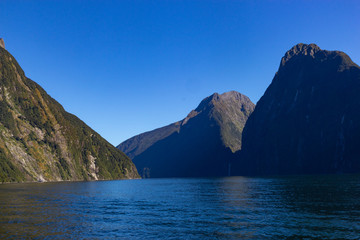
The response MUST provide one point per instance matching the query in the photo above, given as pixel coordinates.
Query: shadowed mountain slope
(308, 120)
(200, 145)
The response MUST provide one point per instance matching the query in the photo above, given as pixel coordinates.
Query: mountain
(40, 141)
(2, 43)
(200, 145)
(308, 120)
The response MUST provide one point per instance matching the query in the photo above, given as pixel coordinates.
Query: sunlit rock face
(202, 144)
(40, 141)
(308, 120)
(2, 43)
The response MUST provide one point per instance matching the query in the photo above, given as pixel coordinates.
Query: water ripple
(300, 207)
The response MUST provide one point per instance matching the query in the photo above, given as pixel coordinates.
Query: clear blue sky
(125, 67)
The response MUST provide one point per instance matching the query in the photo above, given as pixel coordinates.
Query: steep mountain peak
(235, 96)
(2, 43)
(305, 49)
(231, 94)
(228, 111)
(300, 49)
(215, 98)
(312, 52)
(308, 119)
(199, 145)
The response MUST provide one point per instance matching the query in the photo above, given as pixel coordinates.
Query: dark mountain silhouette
(308, 120)
(200, 145)
(40, 141)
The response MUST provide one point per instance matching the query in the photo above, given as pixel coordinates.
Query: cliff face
(308, 120)
(2, 43)
(40, 141)
(202, 144)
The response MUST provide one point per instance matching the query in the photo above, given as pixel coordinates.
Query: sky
(126, 67)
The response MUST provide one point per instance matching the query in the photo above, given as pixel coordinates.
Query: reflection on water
(312, 207)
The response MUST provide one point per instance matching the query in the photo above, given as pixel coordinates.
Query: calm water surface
(301, 207)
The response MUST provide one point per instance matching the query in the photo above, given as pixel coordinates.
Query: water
(301, 207)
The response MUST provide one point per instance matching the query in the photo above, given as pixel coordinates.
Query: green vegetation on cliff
(40, 141)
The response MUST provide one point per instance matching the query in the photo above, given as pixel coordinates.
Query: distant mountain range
(308, 120)
(201, 144)
(40, 141)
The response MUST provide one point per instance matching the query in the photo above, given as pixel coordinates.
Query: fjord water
(322, 207)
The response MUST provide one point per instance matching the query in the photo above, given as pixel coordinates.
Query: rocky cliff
(308, 120)
(2, 43)
(40, 141)
(201, 144)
